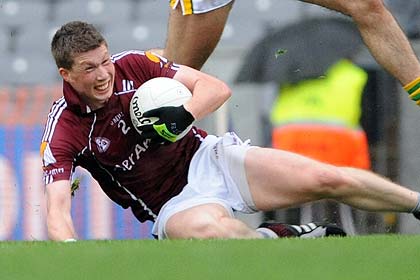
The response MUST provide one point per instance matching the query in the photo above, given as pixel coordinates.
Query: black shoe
(311, 230)
(417, 215)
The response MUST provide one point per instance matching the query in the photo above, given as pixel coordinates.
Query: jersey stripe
(124, 92)
(48, 179)
(197, 135)
(120, 55)
(53, 117)
(91, 131)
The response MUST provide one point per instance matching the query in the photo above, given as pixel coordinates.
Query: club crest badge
(102, 144)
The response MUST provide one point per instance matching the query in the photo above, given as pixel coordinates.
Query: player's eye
(89, 69)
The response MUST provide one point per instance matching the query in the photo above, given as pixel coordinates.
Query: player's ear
(64, 73)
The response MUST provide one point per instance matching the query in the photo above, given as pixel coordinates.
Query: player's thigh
(279, 179)
(200, 221)
(192, 38)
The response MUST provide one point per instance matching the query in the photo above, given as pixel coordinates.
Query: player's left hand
(171, 122)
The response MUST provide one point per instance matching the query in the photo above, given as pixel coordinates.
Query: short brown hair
(73, 38)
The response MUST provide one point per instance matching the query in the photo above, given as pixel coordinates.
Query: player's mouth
(103, 87)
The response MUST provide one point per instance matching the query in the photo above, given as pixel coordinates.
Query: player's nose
(101, 73)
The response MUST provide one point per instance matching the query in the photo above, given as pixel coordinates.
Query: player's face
(92, 76)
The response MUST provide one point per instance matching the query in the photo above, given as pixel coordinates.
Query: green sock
(413, 89)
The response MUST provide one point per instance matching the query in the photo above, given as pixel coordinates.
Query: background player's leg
(192, 38)
(381, 34)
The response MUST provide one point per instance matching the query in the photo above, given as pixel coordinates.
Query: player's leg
(192, 38)
(217, 185)
(207, 221)
(213, 221)
(381, 34)
(279, 179)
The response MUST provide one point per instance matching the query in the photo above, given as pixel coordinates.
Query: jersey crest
(102, 143)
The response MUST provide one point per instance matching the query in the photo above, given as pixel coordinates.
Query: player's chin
(101, 98)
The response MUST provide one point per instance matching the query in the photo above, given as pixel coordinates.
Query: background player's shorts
(198, 6)
(216, 175)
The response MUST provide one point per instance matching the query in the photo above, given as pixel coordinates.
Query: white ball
(156, 93)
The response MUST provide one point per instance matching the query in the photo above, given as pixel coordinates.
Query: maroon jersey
(130, 169)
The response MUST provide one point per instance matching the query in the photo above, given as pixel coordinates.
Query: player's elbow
(366, 12)
(225, 91)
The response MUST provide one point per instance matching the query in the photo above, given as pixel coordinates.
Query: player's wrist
(189, 110)
(188, 115)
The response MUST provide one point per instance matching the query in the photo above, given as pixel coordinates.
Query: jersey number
(124, 127)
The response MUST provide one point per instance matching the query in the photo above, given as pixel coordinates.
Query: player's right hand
(172, 121)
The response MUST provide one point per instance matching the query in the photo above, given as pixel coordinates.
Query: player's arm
(209, 93)
(59, 221)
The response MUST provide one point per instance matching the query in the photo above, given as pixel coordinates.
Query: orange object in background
(328, 143)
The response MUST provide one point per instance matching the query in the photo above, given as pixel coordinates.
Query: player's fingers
(150, 135)
(147, 131)
(152, 113)
(146, 128)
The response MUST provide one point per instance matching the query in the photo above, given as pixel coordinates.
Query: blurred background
(258, 56)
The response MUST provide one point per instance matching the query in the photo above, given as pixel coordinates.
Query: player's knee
(329, 181)
(207, 226)
(363, 10)
(201, 222)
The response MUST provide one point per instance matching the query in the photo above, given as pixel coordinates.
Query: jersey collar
(76, 104)
(73, 100)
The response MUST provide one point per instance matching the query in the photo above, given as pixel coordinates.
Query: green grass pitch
(372, 257)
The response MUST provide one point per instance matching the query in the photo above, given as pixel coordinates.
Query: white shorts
(216, 175)
(190, 7)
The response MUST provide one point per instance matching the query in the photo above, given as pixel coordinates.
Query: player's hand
(171, 122)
